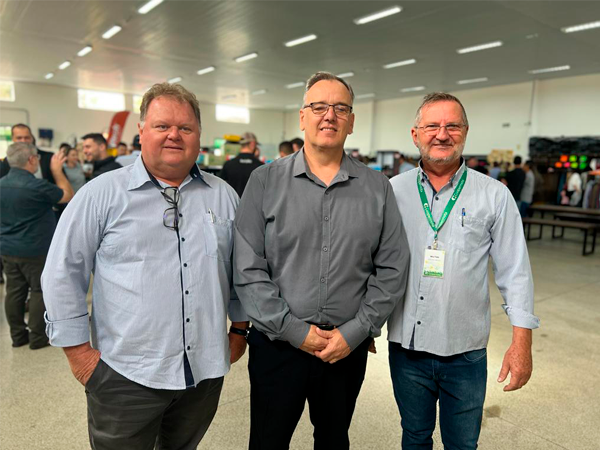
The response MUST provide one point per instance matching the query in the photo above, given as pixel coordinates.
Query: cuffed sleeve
(68, 332)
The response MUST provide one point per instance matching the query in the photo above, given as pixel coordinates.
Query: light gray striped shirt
(452, 315)
(150, 305)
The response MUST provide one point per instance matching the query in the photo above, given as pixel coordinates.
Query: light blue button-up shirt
(452, 315)
(155, 295)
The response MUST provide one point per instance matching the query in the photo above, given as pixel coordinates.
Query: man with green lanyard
(455, 219)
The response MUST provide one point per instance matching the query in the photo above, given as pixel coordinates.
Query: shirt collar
(454, 177)
(140, 175)
(17, 171)
(348, 167)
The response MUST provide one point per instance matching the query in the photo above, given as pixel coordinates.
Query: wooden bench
(578, 218)
(587, 228)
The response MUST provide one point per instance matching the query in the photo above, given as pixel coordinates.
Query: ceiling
(178, 38)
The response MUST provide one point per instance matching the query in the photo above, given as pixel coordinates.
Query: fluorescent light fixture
(111, 32)
(232, 113)
(206, 70)
(64, 65)
(472, 80)
(413, 89)
(549, 69)
(294, 85)
(246, 57)
(378, 15)
(174, 80)
(300, 40)
(361, 96)
(294, 106)
(582, 27)
(345, 75)
(229, 97)
(476, 48)
(85, 50)
(259, 92)
(48, 76)
(399, 63)
(147, 7)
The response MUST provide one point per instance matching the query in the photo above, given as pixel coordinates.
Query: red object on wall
(117, 125)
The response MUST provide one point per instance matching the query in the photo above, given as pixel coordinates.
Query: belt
(324, 326)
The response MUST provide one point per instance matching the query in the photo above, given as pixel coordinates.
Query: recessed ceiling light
(147, 7)
(111, 32)
(413, 89)
(582, 27)
(361, 96)
(472, 80)
(294, 106)
(206, 70)
(48, 76)
(246, 57)
(378, 15)
(549, 69)
(476, 48)
(174, 80)
(64, 65)
(346, 75)
(399, 63)
(85, 50)
(259, 92)
(294, 85)
(300, 40)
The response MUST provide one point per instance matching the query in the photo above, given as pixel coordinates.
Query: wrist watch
(239, 331)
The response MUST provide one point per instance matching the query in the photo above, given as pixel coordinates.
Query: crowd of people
(308, 256)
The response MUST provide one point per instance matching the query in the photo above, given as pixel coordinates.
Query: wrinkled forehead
(447, 110)
(329, 91)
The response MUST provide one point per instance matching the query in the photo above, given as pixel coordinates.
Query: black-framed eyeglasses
(171, 217)
(321, 108)
(433, 129)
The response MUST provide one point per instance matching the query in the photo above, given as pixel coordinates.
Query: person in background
(297, 144)
(27, 223)
(135, 152)
(495, 170)
(122, 149)
(515, 179)
(73, 169)
(95, 151)
(22, 133)
(285, 149)
(405, 166)
(528, 189)
(236, 171)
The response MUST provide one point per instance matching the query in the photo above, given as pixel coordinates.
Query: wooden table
(565, 209)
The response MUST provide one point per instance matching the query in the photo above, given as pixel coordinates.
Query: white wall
(500, 117)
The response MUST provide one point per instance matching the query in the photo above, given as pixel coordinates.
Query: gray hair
(19, 153)
(176, 91)
(436, 97)
(320, 76)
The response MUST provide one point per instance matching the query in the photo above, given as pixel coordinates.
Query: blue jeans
(420, 379)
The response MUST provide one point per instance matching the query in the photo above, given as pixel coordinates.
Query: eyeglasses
(320, 109)
(451, 128)
(171, 216)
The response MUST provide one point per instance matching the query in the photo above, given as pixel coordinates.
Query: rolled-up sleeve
(259, 295)
(511, 266)
(387, 284)
(66, 275)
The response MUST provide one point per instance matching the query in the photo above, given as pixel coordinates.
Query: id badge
(434, 263)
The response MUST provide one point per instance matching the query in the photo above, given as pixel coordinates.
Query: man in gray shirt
(321, 259)
(457, 218)
(158, 237)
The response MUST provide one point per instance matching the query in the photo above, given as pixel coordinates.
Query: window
(103, 101)
(233, 114)
(137, 103)
(7, 91)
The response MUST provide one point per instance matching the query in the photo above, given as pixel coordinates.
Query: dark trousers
(126, 415)
(282, 378)
(23, 274)
(420, 379)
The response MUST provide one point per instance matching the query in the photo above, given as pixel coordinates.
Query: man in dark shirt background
(95, 151)
(297, 144)
(27, 224)
(22, 133)
(515, 179)
(237, 171)
(285, 149)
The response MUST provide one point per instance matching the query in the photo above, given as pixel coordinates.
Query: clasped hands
(330, 346)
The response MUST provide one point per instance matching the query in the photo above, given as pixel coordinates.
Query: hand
(237, 346)
(57, 161)
(517, 361)
(313, 342)
(83, 360)
(336, 349)
(372, 348)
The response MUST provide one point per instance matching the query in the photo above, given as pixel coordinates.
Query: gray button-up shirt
(452, 315)
(156, 293)
(307, 252)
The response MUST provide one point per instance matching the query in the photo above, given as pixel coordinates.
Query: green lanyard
(449, 206)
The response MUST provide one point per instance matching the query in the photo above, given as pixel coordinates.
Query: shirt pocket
(218, 237)
(468, 233)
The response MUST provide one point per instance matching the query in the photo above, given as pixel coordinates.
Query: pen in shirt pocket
(212, 215)
(462, 219)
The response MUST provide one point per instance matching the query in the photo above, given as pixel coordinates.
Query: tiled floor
(43, 407)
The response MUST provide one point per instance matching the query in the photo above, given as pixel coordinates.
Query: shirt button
(189, 348)
(326, 218)
(322, 280)
(180, 215)
(320, 309)
(187, 320)
(437, 198)
(182, 239)
(187, 292)
(418, 322)
(325, 249)
(184, 264)
(421, 298)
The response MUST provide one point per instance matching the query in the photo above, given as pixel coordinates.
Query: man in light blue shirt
(157, 235)
(455, 219)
